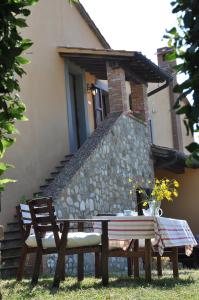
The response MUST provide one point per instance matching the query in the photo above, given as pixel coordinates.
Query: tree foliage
(184, 40)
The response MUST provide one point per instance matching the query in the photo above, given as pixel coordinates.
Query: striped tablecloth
(164, 232)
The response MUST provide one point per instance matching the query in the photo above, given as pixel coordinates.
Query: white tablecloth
(164, 232)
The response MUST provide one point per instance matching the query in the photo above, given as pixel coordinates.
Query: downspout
(160, 88)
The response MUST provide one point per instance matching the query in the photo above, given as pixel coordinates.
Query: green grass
(166, 288)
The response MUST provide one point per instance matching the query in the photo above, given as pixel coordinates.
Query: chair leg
(136, 260)
(97, 265)
(37, 266)
(80, 267)
(104, 253)
(63, 273)
(148, 259)
(159, 265)
(20, 271)
(129, 265)
(175, 262)
(58, 269)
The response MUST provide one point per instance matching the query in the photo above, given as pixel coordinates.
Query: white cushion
(75, 239)
(142, 243)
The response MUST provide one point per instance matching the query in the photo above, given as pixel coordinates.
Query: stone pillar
(139, 101)
(117, 88)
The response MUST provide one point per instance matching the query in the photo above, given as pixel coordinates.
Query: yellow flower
(145, 203)
(175, 193)
(176, 183)
(130, 180)
(157, 181)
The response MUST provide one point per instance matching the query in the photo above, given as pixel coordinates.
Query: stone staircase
(12, 243)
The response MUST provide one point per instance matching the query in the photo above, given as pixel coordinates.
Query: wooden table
(166, 233)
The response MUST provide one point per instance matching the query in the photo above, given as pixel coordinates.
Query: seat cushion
(75, 239)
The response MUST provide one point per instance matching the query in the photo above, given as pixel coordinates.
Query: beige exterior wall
(186, 139)
(159, 113)
(43, 140)
(186, 206)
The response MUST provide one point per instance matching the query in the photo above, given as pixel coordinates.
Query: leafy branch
(184, 41)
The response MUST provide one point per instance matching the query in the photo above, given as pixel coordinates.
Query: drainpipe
(160, 88)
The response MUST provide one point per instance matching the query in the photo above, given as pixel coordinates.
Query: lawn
(166, 288)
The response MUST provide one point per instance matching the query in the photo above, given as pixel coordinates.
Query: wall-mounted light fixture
(92, 88)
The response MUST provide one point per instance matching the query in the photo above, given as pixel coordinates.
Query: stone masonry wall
(101, 182)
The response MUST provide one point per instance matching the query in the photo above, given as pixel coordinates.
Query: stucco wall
(159, 111)
(43, 140)
(186, 206)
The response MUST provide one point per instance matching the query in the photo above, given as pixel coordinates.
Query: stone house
(88, 121)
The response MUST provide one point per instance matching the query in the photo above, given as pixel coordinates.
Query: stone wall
(121, 151)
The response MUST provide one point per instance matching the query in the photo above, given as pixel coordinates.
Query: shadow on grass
(166, 283)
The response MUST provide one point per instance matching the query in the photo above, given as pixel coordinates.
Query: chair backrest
(24, 218)
(44, 219)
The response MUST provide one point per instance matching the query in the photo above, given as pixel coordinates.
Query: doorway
(77, 110)
(101, 105)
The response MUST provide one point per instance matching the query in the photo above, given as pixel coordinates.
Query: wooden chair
(50, 239)
(24, 219)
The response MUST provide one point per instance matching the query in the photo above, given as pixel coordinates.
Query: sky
(136, 25)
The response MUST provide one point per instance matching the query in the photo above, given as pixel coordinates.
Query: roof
(167, 158)
(137, 67)
(91, 24)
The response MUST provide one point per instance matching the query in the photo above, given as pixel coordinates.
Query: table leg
(175, 262)
(159, 265)
(136, 260)
(148, 260)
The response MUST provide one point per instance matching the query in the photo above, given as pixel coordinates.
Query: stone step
(10, 258)
(60, 167)
(12, 226)
(43, 186)
(49, 179)
(69, 156)
(10, 251)
(10, 272)
(65, 161)
(55, 173)
(11, 244)
(12, 261)
(37, 194)
(14, 234)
